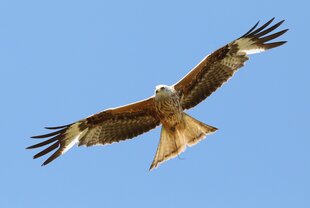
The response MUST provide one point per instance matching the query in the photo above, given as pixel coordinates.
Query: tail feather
(174, 141)
(196, 130)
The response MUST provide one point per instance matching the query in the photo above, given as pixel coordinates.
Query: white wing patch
(246, 45)
(73, 135)
(253, 51)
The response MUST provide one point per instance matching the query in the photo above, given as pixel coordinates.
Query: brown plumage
(166, 107)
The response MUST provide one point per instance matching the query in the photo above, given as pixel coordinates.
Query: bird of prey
(166, 107)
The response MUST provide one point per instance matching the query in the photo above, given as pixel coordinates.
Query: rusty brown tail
(174, 141)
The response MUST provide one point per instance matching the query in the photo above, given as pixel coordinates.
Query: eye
(156, 91)
(162, 88)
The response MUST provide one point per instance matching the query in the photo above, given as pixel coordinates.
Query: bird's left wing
(106, 127)
(220, 65)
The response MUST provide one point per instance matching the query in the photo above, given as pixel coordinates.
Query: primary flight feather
(166, 107)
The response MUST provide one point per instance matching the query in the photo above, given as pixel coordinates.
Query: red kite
(166, 107)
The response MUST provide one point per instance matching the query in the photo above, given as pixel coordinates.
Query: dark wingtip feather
(248, 32)
(31, 147)
(263, 35)
(43, 143)
(264, 32)
(273, 45)
(47, 150)
(272, 36)
(49, 135)
(57, 127)
(55, 141)
(261, 27)
(52, 157)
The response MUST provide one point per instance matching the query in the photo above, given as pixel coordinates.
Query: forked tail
(174, 141)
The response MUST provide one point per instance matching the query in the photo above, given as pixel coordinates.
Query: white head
(163, 91)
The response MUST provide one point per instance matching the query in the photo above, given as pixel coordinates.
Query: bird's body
(166, 107)
(178, 129)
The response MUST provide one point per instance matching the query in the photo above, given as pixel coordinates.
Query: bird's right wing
(220, 65)
(106, 127)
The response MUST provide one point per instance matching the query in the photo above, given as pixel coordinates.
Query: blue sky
(65, 60)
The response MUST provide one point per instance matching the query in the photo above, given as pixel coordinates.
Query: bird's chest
(169, 110)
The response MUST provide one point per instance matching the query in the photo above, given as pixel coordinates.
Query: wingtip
(257, 23)
(30, 147)
(274, 44)
(46, 162)
(279, 23)
(282, 21)
(56, 127)
(285, 30)
(49, 134)
(282, 42)
(260, 31)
